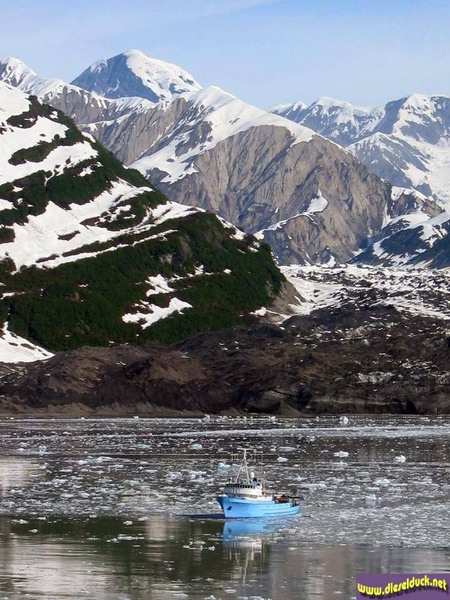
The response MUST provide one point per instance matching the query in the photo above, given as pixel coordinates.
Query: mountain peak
(14, 71)
(133, 52)
(418, 101)
(327, 101)
(334, 104)
(132, 73)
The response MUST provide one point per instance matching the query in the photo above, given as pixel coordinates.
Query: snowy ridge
(19, 75)
(90, 106)
(337, 120)
(226, 116)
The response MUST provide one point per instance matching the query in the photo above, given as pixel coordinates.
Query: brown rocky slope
(370, 359)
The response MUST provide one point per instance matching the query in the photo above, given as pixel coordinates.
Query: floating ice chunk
(400, 458)
(281, 459)
(371, 499)
(287, 448)
(195, 446)
(128, 522)
(382, 481)
(343, 420)
(206, 419)
(221, 466)
(341, 454)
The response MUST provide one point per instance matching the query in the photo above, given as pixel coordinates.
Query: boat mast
(243, 467)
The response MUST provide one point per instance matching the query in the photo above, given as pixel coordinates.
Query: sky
(266, 52)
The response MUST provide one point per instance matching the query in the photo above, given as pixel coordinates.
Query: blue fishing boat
(247, 497)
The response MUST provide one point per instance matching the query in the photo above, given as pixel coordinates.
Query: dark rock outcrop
(346, 360)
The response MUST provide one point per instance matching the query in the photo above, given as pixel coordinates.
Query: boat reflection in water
(248, 548)
(249, 530)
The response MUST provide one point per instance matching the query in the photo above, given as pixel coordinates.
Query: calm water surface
(124, 509)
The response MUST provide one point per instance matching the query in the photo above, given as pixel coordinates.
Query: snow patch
(154, 313)
(14, 348)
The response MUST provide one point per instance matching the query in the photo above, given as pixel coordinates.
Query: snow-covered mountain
(256, 170)
(406, 142)
(134, 74)
(309, 198)
(91, 254)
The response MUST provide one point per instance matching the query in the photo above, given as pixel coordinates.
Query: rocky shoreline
(345, 360)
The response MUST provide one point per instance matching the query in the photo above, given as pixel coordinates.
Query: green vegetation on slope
(83, 302)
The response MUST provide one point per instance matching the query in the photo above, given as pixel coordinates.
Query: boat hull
(241, 508)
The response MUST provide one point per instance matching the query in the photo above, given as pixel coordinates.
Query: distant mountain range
(406, 142)
(91, 254)
(312, 200)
